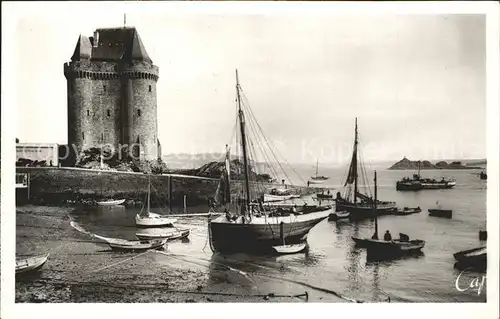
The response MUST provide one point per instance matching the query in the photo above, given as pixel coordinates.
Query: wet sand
(81, 269)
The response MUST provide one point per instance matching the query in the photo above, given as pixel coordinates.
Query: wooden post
(170, 192)
(28, 185)
(185, 208)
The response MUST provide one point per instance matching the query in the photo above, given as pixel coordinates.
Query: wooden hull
(30, 264)
(111, 202)
(289, 249)
(137, 245)
(323, 196)
(154, 220)
(407, 211)
(416, 186)
(358, 211)
(163, 234)
(278, 198)
(446, 213)
(473, 258)
(261, 234)
(389, 248)
(339, 215)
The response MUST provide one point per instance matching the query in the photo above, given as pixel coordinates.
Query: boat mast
(149, 191)
(243, 143)
(317, 164)
(355, 160)
(375, 206)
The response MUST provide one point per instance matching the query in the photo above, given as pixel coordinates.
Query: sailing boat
(149, 219)
(359, 204)
(387, 248)
(108, 202)
(255, 226)
(318, 179)
(418, 183)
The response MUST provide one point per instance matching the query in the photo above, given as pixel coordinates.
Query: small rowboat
(30, 264)
(473, 258)
(407, 211)
(289, 249)
(111, 202)
(339, 215)
(137, 244)
(154, 220)
(160, 233)
(446, 213)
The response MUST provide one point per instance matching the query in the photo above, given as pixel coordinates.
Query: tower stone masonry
(111, 85)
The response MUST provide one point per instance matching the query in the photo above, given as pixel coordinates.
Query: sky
(416, 83)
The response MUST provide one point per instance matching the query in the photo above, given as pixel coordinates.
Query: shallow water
(332, 262)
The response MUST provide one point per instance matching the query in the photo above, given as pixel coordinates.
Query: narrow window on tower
(83, 135)
(88, 113)
(138, 112)
(105, 88)
(150, 88)
(102, 137)
(109, 113)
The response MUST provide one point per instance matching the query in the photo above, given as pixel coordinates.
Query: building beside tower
(111, 85)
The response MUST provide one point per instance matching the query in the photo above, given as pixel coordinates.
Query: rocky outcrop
(406, 164)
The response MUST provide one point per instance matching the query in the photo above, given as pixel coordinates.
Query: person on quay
(387, 236)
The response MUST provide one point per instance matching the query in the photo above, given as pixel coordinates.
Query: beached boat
(137, 244)
(254, 226)
(110, 202)
(439, 212)
(161, 233)
(148, 219)
(483, 175)
(358, 203)
(387, 247)
(29, 264)
(475, 258)
(290, 249)
(407, 211)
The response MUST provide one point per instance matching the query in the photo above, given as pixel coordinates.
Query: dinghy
(160, 233)
(30, 264)
(339, 215)
(446, 213)
(111, 202)
(138, 244)
(474, 258)
(407, 211)
(289, 249)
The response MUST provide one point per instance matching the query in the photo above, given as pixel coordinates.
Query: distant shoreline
(406, 164)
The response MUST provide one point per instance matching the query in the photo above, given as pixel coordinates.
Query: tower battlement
(111, 82)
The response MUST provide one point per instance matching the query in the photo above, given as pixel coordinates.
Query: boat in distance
(251, 225)
(417, 183)
(407, 211)
(446, 213)
(110, 202)
(30, 264)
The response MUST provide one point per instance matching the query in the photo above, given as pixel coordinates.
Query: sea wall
(53, 185)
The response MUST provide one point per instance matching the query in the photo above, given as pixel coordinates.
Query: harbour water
(331, 261)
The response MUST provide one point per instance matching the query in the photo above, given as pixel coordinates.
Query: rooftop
(111, 44)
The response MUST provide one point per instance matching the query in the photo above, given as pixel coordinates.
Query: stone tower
(111, 84)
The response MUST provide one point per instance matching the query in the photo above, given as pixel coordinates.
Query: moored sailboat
(318, 179)
(253, 225)
(359, 204)
(148, 219)
(387, 247)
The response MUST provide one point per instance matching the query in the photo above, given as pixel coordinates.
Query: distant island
(406, 164)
